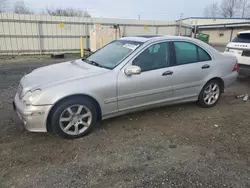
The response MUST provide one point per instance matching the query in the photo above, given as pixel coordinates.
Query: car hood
(58, 73)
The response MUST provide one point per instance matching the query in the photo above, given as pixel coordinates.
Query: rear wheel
(210, 94)
(74, 118)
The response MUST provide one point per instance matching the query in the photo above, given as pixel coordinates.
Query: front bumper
(34, 118)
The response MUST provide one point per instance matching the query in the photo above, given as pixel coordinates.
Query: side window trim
(172, 54)
(204, 51)
(197, 53)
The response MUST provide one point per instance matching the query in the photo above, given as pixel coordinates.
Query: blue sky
(147, 9)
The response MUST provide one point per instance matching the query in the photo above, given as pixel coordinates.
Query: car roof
(153, 38)
(244, 32)
(136, 39)
(150, 36)
(211, 49)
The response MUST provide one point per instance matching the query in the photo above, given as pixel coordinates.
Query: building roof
(212, 18)
(226, 25)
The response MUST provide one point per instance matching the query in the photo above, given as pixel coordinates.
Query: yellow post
(81, 46)
(101, 42)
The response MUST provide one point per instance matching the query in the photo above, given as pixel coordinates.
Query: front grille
(20, 90)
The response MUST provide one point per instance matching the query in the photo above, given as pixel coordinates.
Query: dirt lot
(177, 146)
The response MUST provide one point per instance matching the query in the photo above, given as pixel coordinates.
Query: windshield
(112, 54)
(242, 38)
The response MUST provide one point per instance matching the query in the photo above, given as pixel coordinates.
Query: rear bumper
(230, 79)
(34, 118)
(243, 69)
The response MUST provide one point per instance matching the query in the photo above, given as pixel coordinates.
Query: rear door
(192, 66)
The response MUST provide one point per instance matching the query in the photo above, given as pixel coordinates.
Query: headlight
(31, 96)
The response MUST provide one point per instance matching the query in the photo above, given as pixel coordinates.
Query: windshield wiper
(93, 63)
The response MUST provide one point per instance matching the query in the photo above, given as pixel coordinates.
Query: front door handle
(205, 66)
(167, 73)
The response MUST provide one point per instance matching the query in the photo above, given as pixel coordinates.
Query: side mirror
(132, 70)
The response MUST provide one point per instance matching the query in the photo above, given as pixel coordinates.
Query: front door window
(155, 57)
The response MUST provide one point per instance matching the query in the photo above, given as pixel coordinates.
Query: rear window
(242, 38)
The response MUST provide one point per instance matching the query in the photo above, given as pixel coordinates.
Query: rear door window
(242, 38)
(185, 53)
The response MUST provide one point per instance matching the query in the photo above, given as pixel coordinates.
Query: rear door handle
(167, 73)
(205, 66)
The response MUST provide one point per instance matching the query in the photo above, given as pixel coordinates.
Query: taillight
(235, 66)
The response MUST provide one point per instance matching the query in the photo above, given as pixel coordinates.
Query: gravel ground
(175, 146)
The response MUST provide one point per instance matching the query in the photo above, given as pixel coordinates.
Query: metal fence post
(11, 45)
(39, 36)
(86, 34)
(124, 30)
(231, 34)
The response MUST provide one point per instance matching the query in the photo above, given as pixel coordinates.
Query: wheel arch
(57, 103)
(221, 82)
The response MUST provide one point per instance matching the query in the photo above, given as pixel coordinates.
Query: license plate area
(238, 52)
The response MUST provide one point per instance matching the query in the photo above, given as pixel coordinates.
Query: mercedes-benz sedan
(130, 74)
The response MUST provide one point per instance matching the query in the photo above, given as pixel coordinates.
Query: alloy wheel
(75, 119)
(211, 94)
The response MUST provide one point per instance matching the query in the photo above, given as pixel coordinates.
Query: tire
(203, 101)
(65, 122)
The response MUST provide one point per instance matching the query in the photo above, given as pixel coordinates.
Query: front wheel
(74, 118)
(210, 94)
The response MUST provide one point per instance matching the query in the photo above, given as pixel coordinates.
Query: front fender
(101, 91)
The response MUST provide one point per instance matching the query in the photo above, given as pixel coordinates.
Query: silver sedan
(130, 74)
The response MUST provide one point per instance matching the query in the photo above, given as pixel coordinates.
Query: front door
(153, 85)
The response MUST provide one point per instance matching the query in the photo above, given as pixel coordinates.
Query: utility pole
(180, 25)
(195, 29)
(139, 17)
